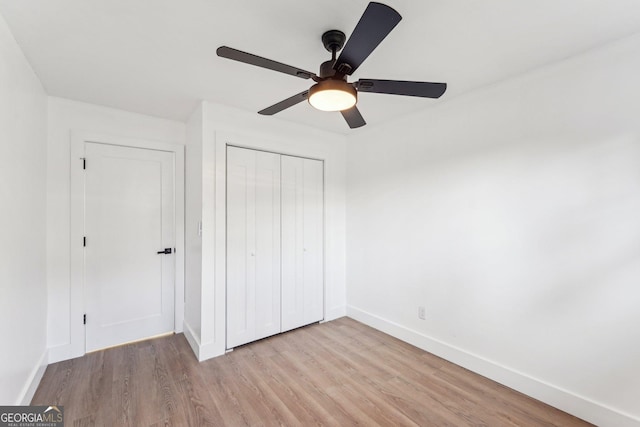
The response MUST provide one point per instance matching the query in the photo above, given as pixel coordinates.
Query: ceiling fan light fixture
(332, 95)
(333, 92)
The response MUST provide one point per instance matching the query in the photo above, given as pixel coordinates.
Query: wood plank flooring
(339, 373)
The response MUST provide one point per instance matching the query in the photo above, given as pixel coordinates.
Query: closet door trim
(307, 286)
(246, 147)
(208, 336)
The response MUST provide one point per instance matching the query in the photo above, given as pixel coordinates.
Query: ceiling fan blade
(248, 58)
(399, 87)
(283, 105)
(376, 23)
(353, 117)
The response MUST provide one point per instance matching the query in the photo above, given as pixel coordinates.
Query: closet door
(253, 245)
(302, 242)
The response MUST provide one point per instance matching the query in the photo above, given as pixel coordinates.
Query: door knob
(165, 251)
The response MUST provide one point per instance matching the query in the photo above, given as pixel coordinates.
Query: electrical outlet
(421, 313)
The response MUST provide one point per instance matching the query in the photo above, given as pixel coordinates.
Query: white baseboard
(192, 338)
(60, 353)
(335, 313)
(33, 381)
(210, 350)
(557, 397)
(203, 351)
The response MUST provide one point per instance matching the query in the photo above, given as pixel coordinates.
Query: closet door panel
(292, 243)
(313, 248)
(253, 245)
(302, 242)
(240, 237)
(267, 244)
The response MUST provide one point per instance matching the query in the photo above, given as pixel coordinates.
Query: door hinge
(84, 240)
(84, 163)
(84, 319)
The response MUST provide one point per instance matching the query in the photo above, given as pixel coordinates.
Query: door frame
(218, 273)
(77, 187)
(224, 256)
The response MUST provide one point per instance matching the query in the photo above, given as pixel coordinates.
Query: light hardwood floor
(338, 373)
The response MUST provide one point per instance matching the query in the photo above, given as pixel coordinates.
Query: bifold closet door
(253, 245)
(302, 242)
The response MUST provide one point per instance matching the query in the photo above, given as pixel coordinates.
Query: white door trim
(77, 304)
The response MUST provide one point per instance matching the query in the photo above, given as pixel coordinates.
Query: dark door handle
(165, 251)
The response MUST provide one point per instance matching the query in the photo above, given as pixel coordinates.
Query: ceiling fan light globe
(332, 100)
(332, 95)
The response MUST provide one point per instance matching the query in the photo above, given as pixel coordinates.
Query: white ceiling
(158, 56)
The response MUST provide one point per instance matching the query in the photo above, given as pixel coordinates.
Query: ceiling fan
(332, 91)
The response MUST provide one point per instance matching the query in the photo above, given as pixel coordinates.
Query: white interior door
(302, 242)
(253, 245)
(129, 217)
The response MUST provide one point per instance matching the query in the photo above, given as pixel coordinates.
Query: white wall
(221, 126)
(193, 216)
(513, 215)
(23, 292)
(65, 117)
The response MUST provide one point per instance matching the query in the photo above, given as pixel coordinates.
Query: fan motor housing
(327, 70)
